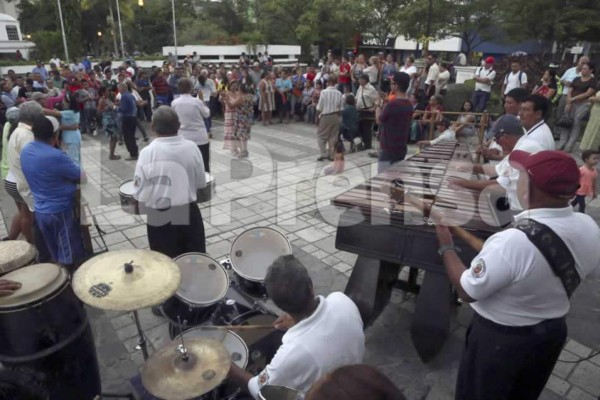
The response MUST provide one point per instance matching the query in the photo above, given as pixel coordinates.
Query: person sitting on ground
(445, 132)
(308, 351)
(338, 160)
(354, 382)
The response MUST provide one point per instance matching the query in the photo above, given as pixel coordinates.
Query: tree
(382, 18)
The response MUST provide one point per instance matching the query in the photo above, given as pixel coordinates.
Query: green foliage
(46, 44)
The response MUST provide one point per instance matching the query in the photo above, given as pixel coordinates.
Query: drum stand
(141, 344)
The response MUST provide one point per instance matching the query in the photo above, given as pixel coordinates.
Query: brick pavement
(286, 190)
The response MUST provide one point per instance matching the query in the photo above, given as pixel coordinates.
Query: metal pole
(142, 345)
(428, 34)
(112, 25)
(64, 37)
(174, 31)
(120, 30)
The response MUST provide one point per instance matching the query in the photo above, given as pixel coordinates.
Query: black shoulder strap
(554, 250)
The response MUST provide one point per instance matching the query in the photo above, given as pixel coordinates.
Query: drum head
(278, 393)
(16, 254)
(127, 188)
(209, 178)
(38, 281)
(233, 343)
(203, 280)
(254, 250)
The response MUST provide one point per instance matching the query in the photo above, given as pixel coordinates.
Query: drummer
(168, 173)
(8, 287)
(323, 333)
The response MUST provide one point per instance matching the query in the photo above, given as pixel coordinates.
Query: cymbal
(104, 281)
(168, 376)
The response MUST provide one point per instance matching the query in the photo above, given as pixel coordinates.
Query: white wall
(450, 45)
(218, 53)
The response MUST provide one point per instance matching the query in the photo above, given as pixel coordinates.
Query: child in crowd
(588, 180)
(444, 133)
(349, 122)
(338, 160)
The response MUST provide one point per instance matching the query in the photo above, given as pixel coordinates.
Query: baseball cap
(255, 64)
(55, 123)
(12, 114)
(553, 172)
(507, 124)
(38, 96)
(489, 60)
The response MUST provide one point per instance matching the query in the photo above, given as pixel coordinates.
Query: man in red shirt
(310, 74)
(344, 84)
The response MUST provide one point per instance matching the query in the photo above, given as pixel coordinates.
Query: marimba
(387, 234)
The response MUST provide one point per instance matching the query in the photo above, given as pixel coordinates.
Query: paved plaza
(283, 187)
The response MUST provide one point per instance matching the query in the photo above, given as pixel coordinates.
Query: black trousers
(176, 230)
(365, 127)
(508, 363)
(128, 125)
(580, 201)
(205, 151)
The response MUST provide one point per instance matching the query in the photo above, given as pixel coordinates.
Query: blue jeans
(387, 158)
(479, 100)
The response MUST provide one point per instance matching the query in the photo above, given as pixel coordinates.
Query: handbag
(365, 114)
(565, 121)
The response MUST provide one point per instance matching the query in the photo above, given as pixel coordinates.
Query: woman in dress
(267, 99)
(71, 136)
(230, 99)
(243, 120)
(591, 137)
(387, 72)
(578, 106)
(108, 114)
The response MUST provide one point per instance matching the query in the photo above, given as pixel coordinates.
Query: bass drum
(128, 203)
(251, 254)
(45, 328)
(204, 283)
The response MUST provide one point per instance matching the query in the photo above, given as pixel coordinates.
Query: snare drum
(232, 342)
(279, 393)
(15, 254)
(205, 194)
(204, 282)
(251, 254)
(128, 203)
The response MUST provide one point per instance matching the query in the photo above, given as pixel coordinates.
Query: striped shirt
(330, 101)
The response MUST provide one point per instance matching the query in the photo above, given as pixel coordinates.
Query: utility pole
(64, 37)
(112, 24)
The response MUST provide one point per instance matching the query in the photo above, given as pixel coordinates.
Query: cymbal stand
(181, 348)
(141, 344)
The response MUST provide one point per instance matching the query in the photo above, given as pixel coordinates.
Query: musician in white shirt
(323, 333)
(445, 134)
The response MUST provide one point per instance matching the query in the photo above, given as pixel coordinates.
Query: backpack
(506, 78)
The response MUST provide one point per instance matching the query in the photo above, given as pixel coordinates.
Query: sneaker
(373, 154)
(321, 158)
(132, 158)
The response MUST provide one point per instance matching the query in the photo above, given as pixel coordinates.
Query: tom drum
(204, 282)
(251, 254)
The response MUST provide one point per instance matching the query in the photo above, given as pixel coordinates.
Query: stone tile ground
(286, 190)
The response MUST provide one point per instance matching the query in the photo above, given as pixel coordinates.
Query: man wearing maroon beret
(520, 283)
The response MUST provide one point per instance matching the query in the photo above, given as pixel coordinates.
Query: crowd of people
(520, 301)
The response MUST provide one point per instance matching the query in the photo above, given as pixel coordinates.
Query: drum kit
(130, 206)
(217, 315)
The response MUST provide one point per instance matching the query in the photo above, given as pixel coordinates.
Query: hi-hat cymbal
(126, 280)
(168, 376)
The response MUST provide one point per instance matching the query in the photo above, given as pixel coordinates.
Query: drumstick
(466, 236)
(238, 327)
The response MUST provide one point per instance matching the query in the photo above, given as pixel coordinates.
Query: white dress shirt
(191, 112)
(19, 138)
(514, 285)
(330, 338)
(168, 173)
(330, 101)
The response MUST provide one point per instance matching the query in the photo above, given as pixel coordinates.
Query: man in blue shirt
(53, 179)
(128, 114)
(40, 69)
